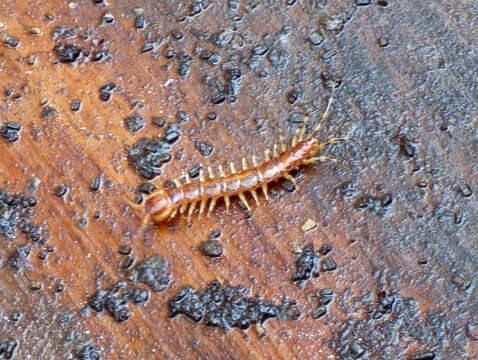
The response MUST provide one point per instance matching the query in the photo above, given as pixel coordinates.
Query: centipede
(167, 203)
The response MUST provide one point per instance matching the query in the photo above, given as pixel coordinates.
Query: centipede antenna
(325, 114)
(135, 206)
(319, 158)
(334, 140)
(144, 223)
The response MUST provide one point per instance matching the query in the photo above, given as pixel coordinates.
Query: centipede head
(157, 205)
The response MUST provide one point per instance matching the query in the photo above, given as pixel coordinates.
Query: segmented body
(167, 203)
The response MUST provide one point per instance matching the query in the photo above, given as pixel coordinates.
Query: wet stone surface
(227, 307)
(389, 314)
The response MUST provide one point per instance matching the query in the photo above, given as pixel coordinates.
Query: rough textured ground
(207, 83)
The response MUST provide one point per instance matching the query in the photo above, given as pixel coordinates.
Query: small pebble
(211, 116)
(308, 225)
(315, 38)
(382, 41)
(140, 22)
(48, 112)
(124, 250)
(325, 249)
(158, 121)
(211, 248)
(146, 188)
(134, 122)
(61, 190)
(96, 183)
(319, 312)
(76, 105)
(194, 172)
(328, 265)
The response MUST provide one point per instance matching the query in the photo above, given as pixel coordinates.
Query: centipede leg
(296, 136)
(275, 152)
(244, 201)
(183, 208)
(254, 195)
(264, 189)
(227, 201)
(281, 141)
(191, 210)
(173, 214)
(212, 204)
(202, 206)
(291, 179)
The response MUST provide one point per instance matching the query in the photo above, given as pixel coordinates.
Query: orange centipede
(166, 203)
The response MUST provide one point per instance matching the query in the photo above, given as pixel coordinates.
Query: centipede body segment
(184, 198)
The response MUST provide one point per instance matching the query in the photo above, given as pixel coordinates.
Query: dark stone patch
(154, 272)
(228, 307)
(16, 212)
(115, 301)
(204, 148)
(69, 53)
(305, 264)
(147, 156)
(88, 352)
(18, 258)
(10, 131)
(106, 91)
(48, 112)
(134, 123)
